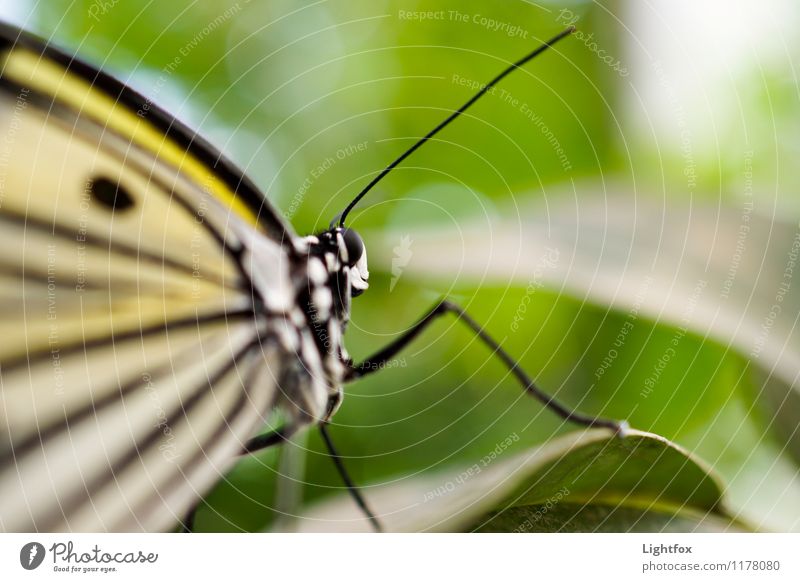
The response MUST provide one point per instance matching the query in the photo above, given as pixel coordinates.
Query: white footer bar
(411, 558)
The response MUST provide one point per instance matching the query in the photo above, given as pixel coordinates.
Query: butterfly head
(344, 250)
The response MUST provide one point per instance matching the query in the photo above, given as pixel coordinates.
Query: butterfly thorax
(335, 272)
(305, 293)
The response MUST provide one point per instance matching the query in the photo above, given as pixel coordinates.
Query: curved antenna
(569, 30)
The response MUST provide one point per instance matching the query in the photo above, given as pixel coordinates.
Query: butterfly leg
(348, 482)
(264, 441)
(284, 433)
(276, 437)
(378, 360)
(261, 442)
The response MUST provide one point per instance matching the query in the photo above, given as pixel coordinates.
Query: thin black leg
(279, 436)
(377, 361)
(351, 487)
(264, 441)
(255, 444)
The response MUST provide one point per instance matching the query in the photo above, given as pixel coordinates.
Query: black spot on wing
(111, 194)
(224, 169)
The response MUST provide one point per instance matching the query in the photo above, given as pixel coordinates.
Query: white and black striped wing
(131, 371)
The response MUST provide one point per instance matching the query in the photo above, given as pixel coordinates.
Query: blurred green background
(289, 90)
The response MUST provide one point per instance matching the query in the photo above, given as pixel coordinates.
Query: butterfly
(156, 307)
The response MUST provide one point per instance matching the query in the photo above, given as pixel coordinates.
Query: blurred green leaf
(589, 471)
(693, 332)
(596, 518)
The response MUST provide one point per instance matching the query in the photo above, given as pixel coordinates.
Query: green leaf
(588, 474)
(569, 517)
(705, 296)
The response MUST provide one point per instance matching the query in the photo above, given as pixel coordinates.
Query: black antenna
(452, 116)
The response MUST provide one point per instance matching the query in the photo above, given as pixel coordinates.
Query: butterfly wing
(134, 363)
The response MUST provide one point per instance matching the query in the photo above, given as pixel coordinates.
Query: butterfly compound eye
(354, 245)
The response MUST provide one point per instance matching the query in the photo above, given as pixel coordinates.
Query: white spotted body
(307, 295)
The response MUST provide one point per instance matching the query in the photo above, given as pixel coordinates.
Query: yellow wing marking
(46, 76)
